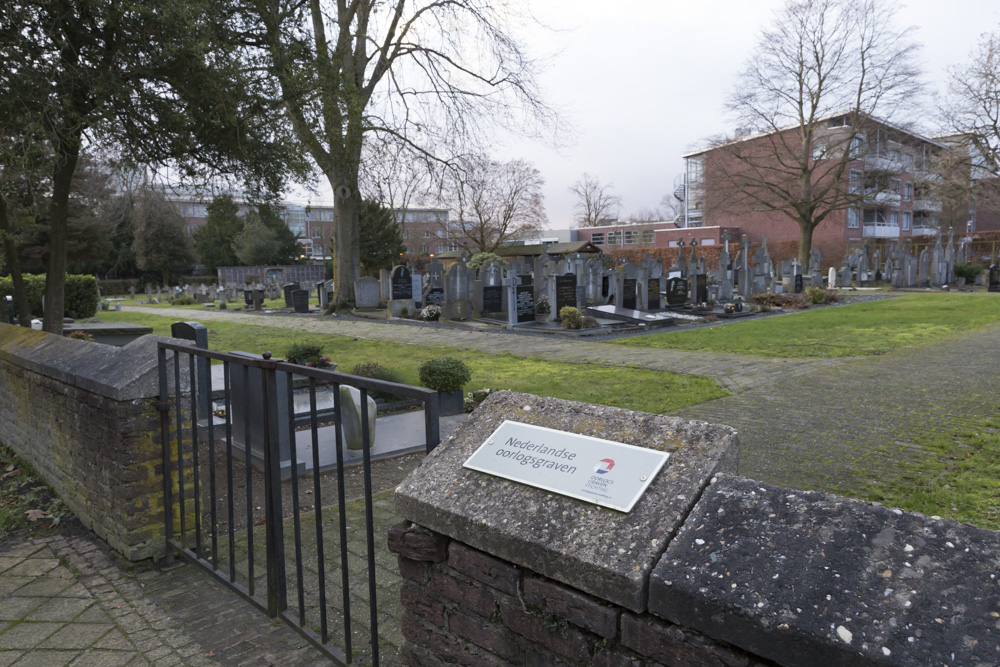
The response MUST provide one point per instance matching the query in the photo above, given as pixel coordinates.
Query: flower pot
(543, 318)
(451, 403)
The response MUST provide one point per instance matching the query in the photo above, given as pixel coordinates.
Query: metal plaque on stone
(434, 296)
(628, 298)
(653, 294)
(603, 472)
(565, 291)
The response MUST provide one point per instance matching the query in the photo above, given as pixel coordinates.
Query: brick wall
(84, 416)
(463, 606)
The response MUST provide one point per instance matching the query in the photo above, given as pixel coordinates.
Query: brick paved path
(735, 372)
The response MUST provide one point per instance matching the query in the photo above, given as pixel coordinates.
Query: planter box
(451, 403)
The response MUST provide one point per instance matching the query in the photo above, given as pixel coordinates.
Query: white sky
(644, 81)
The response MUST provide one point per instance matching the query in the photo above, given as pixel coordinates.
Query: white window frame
(906, 219)
(597, 238)
(853, 218)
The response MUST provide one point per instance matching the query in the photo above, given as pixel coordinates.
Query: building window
(317, 232)
(648, 237)
(893, 217)
(631, 237)
(857, 149)
(695, 168)
(671, 244)
(907, 217)
(853, 218)
(427, 233)
(855, 182)
(597, 238)
(907, 191)
(614, 238)
(872, 216)
(707, 241)
(424, 248)
(895, 185)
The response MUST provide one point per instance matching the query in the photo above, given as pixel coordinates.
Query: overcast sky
(644, 81)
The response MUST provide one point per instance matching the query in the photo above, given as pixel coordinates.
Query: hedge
(81, 294)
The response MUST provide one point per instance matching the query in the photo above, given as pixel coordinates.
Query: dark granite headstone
(605, 286)
(434, 296)
(798, 283)
(400, 284)
(994, 285)
(525, 278)
(565, 291)
(628, 298)
(524, 303)
(288, 288)
(492, 299)
(701, 288)
(653, 294)
(300, 300)
(677, 291)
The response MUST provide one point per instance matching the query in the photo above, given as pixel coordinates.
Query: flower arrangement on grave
(431, 313)
(307, 355)
(80, 335)
(542, 306)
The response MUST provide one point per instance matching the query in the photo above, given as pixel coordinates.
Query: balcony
(924, 230)
(879, 230)
(927, 205)
(882, 199)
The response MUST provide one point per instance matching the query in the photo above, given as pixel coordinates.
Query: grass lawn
(867, 328)
(632, 388)
(961, 482)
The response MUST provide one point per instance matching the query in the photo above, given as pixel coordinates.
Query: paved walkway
(735, 372)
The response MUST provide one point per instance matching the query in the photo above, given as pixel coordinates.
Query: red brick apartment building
(888, 190)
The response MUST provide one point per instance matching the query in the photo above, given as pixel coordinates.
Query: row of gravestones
(933, 267)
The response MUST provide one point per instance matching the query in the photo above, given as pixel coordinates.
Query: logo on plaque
(604, 466)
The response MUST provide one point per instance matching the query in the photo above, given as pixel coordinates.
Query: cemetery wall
(84, 416)
(708, 568)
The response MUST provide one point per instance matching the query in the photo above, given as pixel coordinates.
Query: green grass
(632, 388)
(959, 478)
(867, 328)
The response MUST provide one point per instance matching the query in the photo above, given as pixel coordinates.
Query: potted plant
(446, 376)
(308, 355)
(543, 309)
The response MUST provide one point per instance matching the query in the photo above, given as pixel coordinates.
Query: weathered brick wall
(463, 606)
(84, 416)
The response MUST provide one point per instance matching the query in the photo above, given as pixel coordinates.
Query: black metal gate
(225, 537)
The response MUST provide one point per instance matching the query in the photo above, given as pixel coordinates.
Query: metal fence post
(277, 599)
(168, 501)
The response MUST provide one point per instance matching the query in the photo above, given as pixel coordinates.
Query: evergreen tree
(213, 243)
(380, 237)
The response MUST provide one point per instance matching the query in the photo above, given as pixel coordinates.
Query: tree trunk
(805, 244)
(346, 244)
(14, 266)
(55, 277)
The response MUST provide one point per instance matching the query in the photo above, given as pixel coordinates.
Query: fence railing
(227, 509)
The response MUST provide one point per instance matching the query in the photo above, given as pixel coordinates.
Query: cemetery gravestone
(994, 285)
(366, 292)
(492, 299)
(288, 288)
(400, 283)
(524, 300)
(677, 291)
(300, 300)
(701, 288)
(565, 291)
(653, 294)
(628, 293)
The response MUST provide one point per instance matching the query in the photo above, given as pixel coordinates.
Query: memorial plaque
(628, 298)
(434, 297)
(401, 284)
(603, 472)
(605, 286)
(524, 298)
(677, 291)
(565, 291)
(525, 278)
(492, 299)
(701, 288)
(653, 294)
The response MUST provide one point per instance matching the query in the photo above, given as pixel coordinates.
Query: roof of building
(822, 119)
(533, 250)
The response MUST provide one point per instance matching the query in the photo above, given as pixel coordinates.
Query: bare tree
(495, 202)
(820, 63)
(645, 215)
(393, 175)
(971, 110)
(428, 75)
(595, 202)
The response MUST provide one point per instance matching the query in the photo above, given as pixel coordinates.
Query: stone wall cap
(603, 552)
(119, 373)
(805, 578)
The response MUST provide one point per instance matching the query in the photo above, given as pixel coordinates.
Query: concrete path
(735, 372)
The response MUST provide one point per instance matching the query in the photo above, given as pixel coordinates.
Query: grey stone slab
(805, 578)
(600, 551)
(27, 635)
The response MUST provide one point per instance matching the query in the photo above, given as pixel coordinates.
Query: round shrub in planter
(571, 318)
(446, 376)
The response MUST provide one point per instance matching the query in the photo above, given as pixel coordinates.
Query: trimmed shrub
(306, 355)
(571, 318)
(968, 270)
(445, 374)
(80, 294)
(183, 300)
(590, 322)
